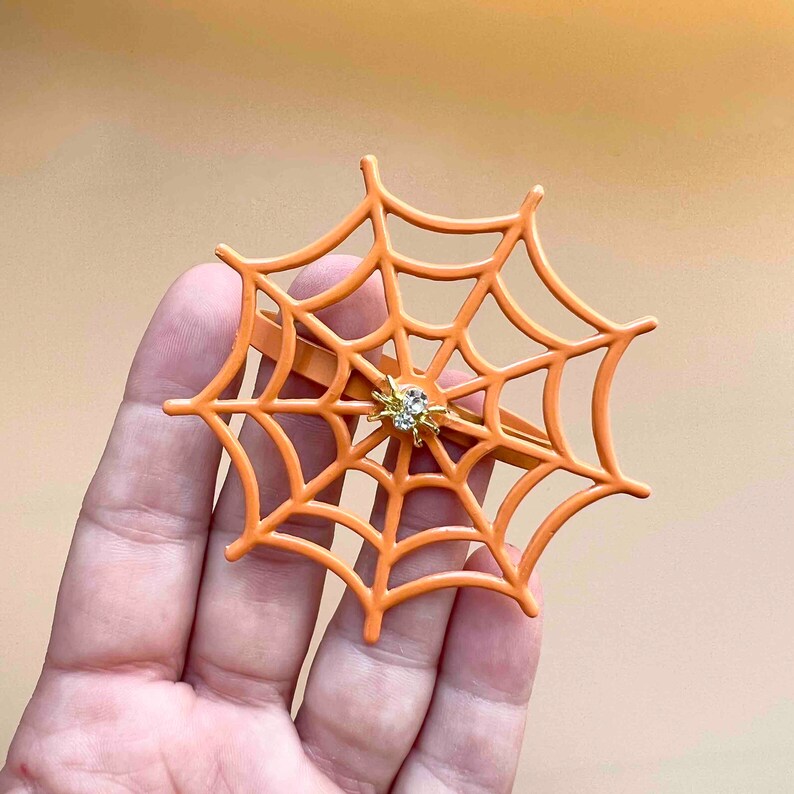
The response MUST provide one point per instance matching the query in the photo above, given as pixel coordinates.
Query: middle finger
(364, 704)
(255, 617)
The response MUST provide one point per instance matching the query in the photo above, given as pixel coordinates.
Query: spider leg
(417, 437)
(427, 422)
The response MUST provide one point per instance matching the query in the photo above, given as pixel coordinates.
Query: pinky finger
(472, 735)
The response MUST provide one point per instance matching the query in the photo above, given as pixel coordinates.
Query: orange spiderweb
(351, 376)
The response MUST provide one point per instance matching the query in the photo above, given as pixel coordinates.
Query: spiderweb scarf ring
(412, 406)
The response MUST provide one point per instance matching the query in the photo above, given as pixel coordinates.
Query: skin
(169, 669)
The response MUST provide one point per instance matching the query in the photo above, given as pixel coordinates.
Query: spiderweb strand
(488, 379)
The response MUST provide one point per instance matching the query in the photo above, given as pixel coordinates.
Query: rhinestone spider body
(408, 409)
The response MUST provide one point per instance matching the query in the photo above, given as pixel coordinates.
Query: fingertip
(211, 282)
(490, 636)
(357, 314)
(482, 560)
(189, 336)
(322, 274)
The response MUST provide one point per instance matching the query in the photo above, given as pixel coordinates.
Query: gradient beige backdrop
(136, 135)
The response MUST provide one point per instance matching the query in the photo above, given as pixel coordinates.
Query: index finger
(128, 592)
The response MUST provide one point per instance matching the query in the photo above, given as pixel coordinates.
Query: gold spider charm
(408, 408)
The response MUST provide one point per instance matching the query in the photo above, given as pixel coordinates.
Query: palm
(136, 735)
(169, 673)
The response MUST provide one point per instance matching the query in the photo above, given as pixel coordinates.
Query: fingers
(364, 704)
(255, 616)
(471, 738)
(128, 592)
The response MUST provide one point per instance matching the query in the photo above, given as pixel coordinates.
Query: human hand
(171, 671)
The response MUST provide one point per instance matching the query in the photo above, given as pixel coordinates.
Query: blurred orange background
(134, 136)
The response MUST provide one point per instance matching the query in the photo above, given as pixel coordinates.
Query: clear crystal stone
(415, 401)
(403, 421)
